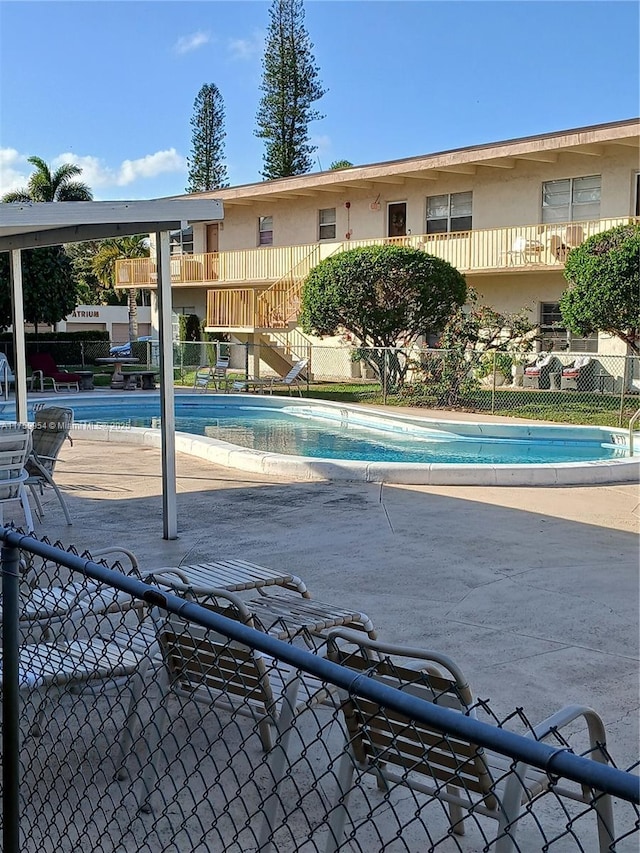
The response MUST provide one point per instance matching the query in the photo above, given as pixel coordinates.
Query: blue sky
(111, 85)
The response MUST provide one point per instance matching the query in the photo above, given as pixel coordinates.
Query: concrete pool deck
(532, 590)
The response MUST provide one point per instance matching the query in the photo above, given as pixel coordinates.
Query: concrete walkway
(533, 591)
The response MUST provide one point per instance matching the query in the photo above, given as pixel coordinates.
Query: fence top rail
(559, 761)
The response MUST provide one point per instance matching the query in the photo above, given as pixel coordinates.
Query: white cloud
(96, 174)
(101, 178)
(248, 48)
(14, 170)
(187, 44)
(322, 143)
(150, 166)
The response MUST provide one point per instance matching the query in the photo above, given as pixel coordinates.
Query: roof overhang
(25, 225)
(592, 142)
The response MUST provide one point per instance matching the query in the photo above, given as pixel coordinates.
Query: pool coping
(622, 470)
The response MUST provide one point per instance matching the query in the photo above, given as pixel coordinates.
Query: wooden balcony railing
(477, 251)
(232, 309)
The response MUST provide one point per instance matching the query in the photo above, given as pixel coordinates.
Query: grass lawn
(571, 407)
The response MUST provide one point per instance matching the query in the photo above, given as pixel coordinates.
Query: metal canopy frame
(28, 225)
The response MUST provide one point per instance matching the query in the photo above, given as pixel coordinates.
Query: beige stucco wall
(501, 197)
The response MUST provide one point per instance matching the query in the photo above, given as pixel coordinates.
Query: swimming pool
(317, 440)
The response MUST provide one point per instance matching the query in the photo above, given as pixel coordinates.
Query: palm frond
(74, 191)
(16, 195)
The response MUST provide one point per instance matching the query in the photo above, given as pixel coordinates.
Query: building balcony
(270, 277)
(487, 250)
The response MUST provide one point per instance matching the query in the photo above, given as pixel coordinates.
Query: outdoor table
(120, 380)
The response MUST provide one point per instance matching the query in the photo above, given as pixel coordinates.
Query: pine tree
(290, 85)
(207, 170)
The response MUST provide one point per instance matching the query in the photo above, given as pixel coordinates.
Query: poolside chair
(71, 664)
(538, 374)
(212, 377)
(220, 379)
(203, 378)
(293, 379)
(51, 428)
(468, 779)
(6, 376)
(44, 369)
(204, 666)
(15, 445)
(579, 375)
(48, 601)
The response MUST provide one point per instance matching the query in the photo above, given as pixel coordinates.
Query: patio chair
(203, 378)
(523, 251)
(293, 379)
(15, 445)
(579, 375)
(220, 379)
(122, 652)
(212, 377)
(44, 369)
(204, 666)
(46, 602)
(50, 430)
(468, 779)
(538, 374)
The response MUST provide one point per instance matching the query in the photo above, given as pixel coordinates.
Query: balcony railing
(477, 251)
(521, 247)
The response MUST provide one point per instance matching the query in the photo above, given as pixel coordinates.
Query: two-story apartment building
(505, 214)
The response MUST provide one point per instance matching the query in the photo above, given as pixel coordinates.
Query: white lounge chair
(15, 446)
(293, 379)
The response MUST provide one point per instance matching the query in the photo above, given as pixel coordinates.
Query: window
(181, 242)
(327, 224)
(555, 336)
(265, 231)
(571, 199)
(450, 212)
(637, 207)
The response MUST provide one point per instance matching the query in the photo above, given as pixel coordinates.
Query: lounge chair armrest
(171, 572)
(118, 549)
(568, 714)
(513, 789)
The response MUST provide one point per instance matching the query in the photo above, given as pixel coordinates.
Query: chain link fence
(135, 719)
(570, 387)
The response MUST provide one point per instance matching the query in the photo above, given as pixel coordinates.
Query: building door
(212, 238)
(397, 219)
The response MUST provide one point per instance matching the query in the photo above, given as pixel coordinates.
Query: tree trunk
(133, 314)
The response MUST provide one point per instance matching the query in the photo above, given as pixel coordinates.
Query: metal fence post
(10, 557)
(622, 390)
(493, 384)
(82, 361)
(246, 359)
(384, 377)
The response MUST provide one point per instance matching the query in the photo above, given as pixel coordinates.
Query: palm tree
(47, 186)
(104, 267)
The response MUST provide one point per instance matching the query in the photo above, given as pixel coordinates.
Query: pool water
(315, 432)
